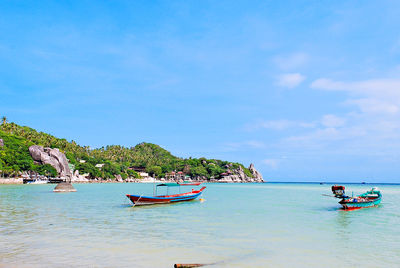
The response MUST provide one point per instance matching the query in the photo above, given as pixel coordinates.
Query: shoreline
(11, 180)
(19, 181)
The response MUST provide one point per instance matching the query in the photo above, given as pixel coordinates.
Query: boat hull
(37, 182)
(139, 200)
(350, 205)
(190, 184)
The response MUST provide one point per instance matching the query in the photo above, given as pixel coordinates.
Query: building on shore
(138, 169)
(175, 176)
(144, 175)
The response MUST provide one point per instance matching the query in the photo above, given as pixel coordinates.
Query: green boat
(370, 198)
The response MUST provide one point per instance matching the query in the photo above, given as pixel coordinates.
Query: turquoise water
(238, 225)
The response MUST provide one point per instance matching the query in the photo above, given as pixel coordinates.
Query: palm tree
(4, 120)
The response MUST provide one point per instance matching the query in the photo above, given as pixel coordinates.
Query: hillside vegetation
(117, 160)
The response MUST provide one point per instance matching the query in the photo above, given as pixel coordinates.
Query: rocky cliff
(53, 157)
(238, 175)
(257, 175)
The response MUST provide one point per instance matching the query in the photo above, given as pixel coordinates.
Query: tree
(186, 170)
(46, 170)
(132, 173)
(199, 171)
(88, 168)
(4, 120)
(155, 170)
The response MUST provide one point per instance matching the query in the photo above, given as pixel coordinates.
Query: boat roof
(169, 184)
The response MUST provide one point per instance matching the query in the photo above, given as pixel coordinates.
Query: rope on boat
(134, 204)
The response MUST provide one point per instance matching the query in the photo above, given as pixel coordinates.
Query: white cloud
(290, 62)
(370, 105)
(374, 125)
(380, 88)
(374, 96)
(252, 144)
(322, 134)
(278, 125)
(290, 80)
(272, 163)
(371, 127)
(331, 120)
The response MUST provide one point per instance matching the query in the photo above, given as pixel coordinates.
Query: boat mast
(154, 186)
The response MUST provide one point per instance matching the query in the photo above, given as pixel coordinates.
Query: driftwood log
(188, 265)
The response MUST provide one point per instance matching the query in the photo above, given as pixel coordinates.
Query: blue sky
(306, 90)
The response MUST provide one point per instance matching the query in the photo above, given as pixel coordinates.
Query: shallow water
(238, 225)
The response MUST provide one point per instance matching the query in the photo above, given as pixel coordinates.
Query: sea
(234, 225)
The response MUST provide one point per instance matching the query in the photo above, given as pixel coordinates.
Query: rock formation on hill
(257, 175)
(78, 177)
(238, 175)
(53, 157)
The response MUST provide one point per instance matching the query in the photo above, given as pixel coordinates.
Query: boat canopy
(373, 191)
(170, 184)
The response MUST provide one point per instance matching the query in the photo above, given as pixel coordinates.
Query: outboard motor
(338, 190)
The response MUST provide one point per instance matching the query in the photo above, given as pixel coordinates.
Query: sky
(305, 90)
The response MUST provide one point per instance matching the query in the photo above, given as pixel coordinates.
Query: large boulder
(1, 143)
(62, 160)
(64, 187)
(36, 152)
(53, 157)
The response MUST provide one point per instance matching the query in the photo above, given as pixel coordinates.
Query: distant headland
(26, 154)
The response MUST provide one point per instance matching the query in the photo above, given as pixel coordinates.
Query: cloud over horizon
(290, 80)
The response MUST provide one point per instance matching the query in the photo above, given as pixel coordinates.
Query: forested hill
(118, 160)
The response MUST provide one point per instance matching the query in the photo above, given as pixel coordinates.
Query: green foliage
(199, 171)
(88, 168)
(46, 170)
(154, 170)
(71, 158)
(14, 154)
(117, 160)
(132, 173)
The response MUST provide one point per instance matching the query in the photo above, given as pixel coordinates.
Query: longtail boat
(186, 183)
(370, 198)
(139, 200)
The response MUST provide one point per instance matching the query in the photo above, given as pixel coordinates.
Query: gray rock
(257, 175)
(64, 187)
(118, 178)
(1, 143)
(36, 152)
(78, 178)
(238, 175)
(62, 159)
(53, 157)
(241, 174)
